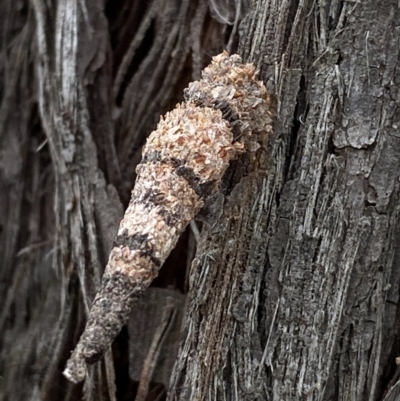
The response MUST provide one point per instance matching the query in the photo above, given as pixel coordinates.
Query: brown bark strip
(194, 145)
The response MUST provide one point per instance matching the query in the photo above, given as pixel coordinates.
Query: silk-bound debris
(182, 166)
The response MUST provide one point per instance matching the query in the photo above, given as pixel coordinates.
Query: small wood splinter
(182, 165)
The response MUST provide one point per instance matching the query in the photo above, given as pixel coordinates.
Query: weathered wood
(66, 121)
(294, 292)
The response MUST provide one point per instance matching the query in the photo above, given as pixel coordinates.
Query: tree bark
(293, 292)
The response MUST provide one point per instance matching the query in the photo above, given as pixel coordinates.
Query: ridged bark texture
(294, 292)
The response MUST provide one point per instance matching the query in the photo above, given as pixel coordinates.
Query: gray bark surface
(294, 292)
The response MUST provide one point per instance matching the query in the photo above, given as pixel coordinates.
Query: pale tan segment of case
(202, 139)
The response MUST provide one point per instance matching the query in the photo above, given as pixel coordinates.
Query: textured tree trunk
(293, 292)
